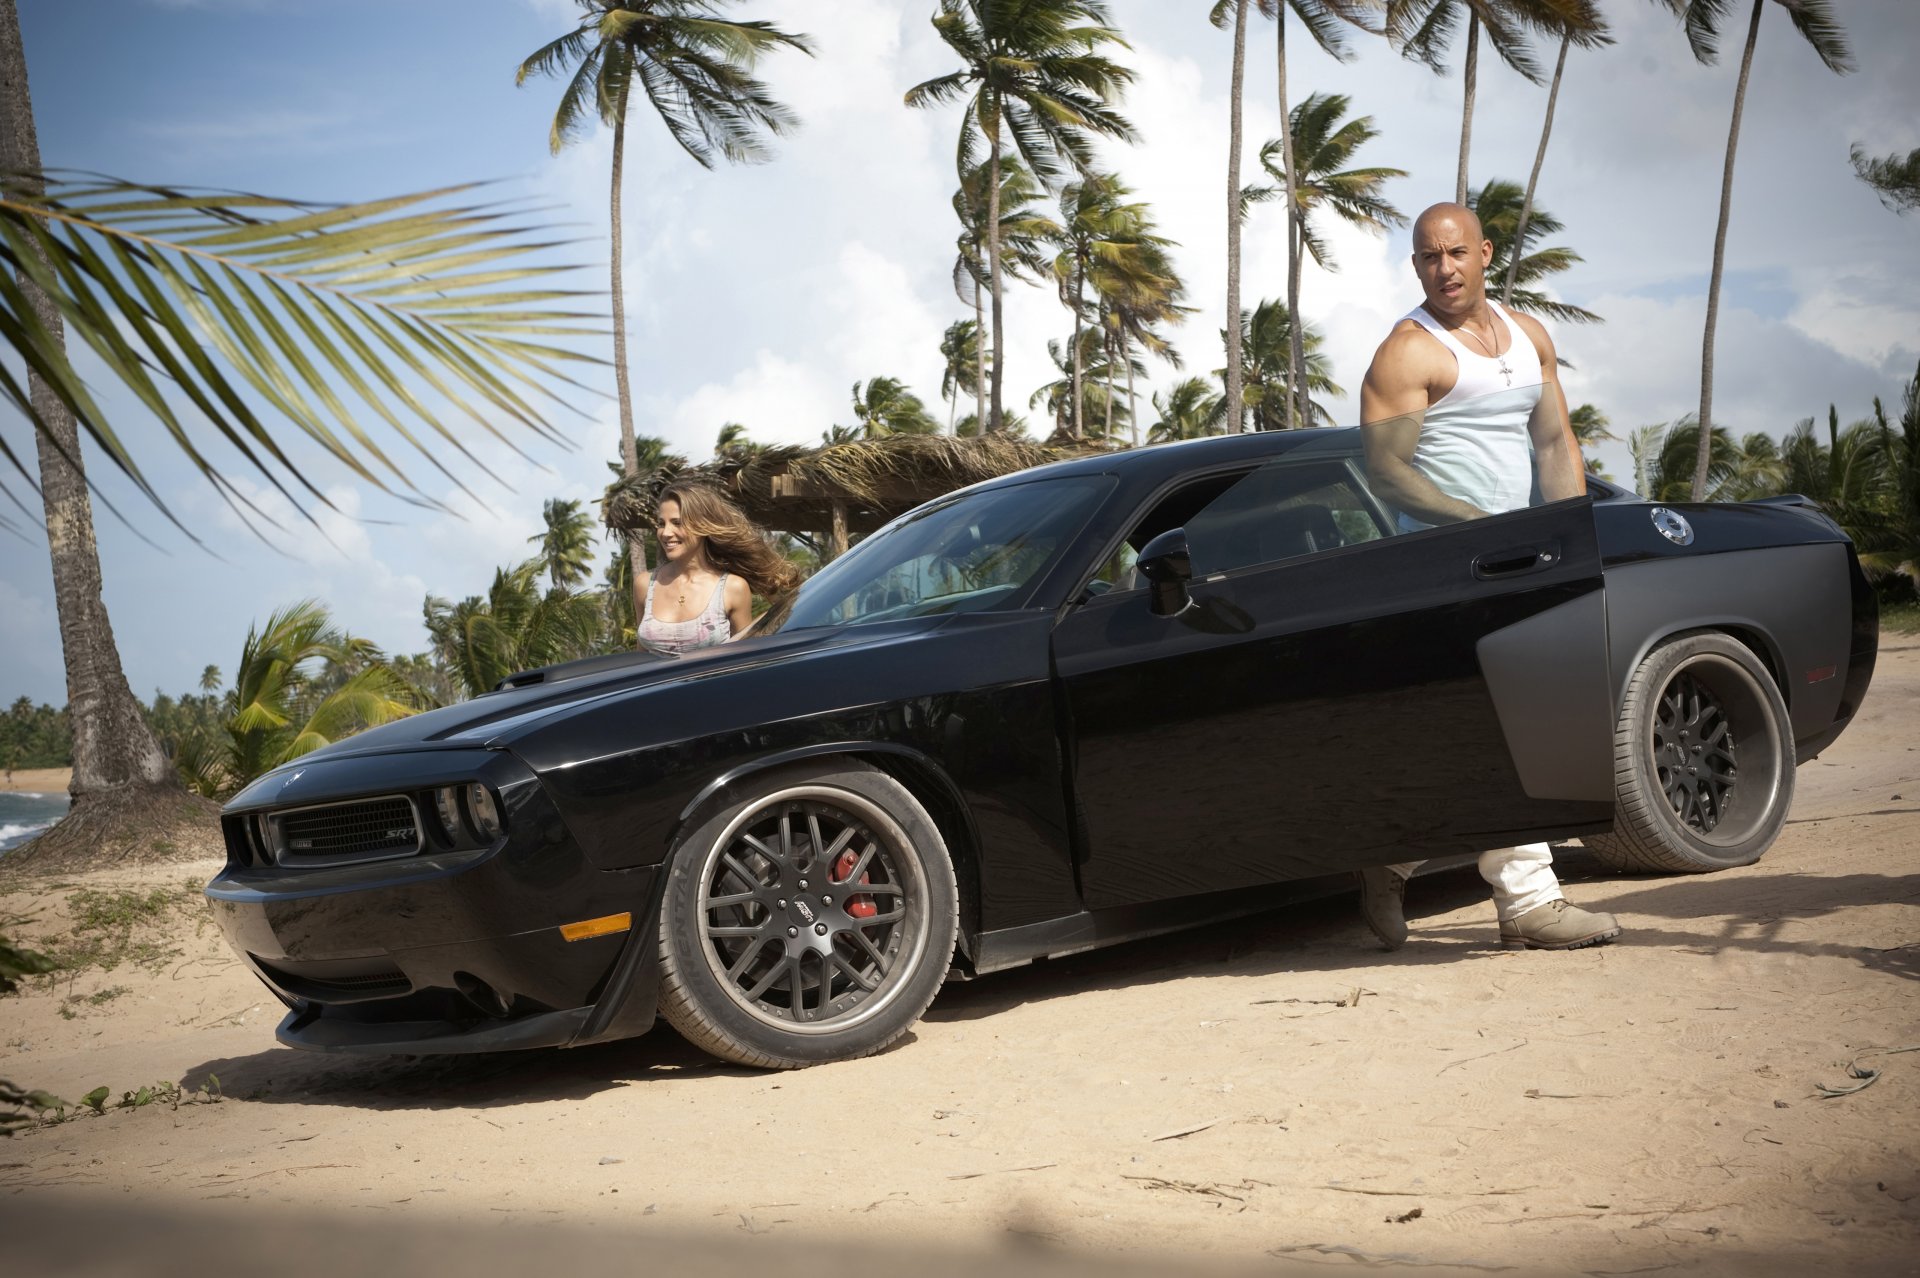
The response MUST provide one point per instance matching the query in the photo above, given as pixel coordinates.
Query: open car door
(1340, 689)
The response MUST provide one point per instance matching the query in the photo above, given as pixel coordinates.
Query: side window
(1175, 509)
(1285, 509)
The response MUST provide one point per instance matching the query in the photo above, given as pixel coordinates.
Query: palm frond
(1703, 20)
(1816, 23)
(249, 299)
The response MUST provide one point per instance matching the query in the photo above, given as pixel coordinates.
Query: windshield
(973, 553)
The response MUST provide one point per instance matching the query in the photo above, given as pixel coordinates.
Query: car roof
(1157, 461)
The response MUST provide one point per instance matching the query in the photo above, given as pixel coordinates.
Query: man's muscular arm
(1555, 451)
(1393, 402)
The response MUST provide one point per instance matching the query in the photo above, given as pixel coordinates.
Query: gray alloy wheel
(1703, 760)
(812, 920)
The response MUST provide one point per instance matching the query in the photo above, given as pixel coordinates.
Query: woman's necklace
(680, 582)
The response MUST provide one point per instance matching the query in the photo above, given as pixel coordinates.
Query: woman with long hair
(713, 562)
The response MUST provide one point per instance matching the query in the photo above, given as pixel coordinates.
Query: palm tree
(1138, 295)
(1600, 36)
(1104, 241)
(1902, 452)
(1096, 404)
(1323, 144)
(1498, 205)
(884, 406)
(1236, 12)
(1894, 178)
(515, 626)
(1423, 29)
(1325, 21)
(1815, 22)
(1034, 68)
(732, 441)
(968, 427)
(1023, 232)
(1742, 469)
(210, 679)
(226, 303)
(1188, 409)
(960, 371)
(303, 683)
(1268, 352)
(694, 67)
(1643, 447)
(566, 543)
(1590, 431)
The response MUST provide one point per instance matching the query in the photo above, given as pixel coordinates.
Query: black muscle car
(949, 753)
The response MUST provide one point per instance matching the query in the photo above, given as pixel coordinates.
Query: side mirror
(1167, 566)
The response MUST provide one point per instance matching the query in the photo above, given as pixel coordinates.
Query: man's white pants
(1522, 878)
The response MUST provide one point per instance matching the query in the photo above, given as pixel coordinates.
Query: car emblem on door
(1673, 526)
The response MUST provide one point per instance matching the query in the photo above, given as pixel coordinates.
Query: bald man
(1461, 403)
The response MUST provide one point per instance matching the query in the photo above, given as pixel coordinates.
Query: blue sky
(761, 294)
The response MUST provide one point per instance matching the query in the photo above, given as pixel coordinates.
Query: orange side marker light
(605, 925)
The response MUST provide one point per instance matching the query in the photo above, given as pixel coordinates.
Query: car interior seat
(1298, 530)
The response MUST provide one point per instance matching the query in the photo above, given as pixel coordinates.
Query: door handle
(1515, 561)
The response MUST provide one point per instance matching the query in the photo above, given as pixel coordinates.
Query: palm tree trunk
(1466, 107)
(1719, 263)
(1299, 405)
(115, 754)
(979, 364)
(1077, 427)
(1106, 349)
(1133, 400)
(629, 451)
(1533, 179)
(993, 266)
(1296, 353)
(1236, 394)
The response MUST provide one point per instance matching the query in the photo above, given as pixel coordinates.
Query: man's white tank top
(1475, 444)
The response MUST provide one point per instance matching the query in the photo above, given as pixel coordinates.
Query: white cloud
(1869, 318)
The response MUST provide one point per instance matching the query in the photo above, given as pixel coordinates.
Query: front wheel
(811, 921)
(1703, 760)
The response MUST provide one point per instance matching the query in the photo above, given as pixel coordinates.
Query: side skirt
(1096, 929)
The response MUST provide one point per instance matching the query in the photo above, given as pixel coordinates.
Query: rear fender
(1792, 605)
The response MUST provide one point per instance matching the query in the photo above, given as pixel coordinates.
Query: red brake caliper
(859, 907)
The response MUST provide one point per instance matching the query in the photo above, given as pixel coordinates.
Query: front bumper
(447, 951)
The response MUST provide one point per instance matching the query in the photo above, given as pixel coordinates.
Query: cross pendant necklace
(1504, 370)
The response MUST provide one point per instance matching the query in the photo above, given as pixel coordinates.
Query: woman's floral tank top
(709, 628)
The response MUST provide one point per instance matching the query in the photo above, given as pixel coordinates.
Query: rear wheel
(1703, 760)
(811, 921)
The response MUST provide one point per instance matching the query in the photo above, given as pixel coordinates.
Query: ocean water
(25, 814)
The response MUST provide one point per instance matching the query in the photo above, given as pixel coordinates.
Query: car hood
(492, 720)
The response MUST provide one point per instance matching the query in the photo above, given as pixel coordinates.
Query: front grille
(350, 831)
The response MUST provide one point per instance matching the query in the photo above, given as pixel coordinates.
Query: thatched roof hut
(836, 490)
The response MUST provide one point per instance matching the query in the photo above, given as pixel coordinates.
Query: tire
(837, 916)
(1702, 758)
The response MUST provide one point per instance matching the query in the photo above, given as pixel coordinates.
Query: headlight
(266, 839)
(484, 811)
(446, 804)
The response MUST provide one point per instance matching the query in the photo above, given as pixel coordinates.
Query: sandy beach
(37, 780)
(1277, 1094)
